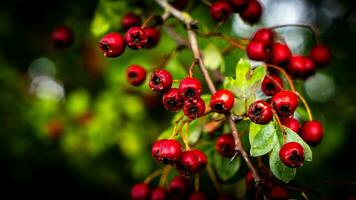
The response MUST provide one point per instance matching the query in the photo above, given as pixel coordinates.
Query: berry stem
(196, 182)
(175, 126)
(195, 61)
(165, 173)
(213, 178)
(312, 28)
(206, 2)
(290, 82)
(152, 176)
(275, 82)
(310, 116)
(232, 41)
(147, 21)
(280, 126)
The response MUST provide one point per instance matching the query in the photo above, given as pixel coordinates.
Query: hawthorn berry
(301, 67)
(238, 5)
(253, 12)
(136, 38)
(220, 10)
(312, 132)
(249, 180)
(225, 145)
(256, 50)
(62, 37)
(112, 45)
(264, 35)
(260, 112)
(153, 36)
(190, 88)
(292, 154)
(291, 123)
(166, 151)
(277, 192)
(159, 193)
(179, 4)
(179, 187)
(192, 162)
(161, 80)
(321, 55)
(194, 108)
(271, 84)
(198, 196)
(140, 191)
(172, 100)
(222, 101)
(279, 54)
(284, 103)
(135, 75)
(130, 20)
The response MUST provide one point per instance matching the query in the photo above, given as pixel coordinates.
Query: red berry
(140, 191)
(62, 37)
(278, 192)
(190, 88)
(136, 75)
(249, 180)
(222, 101)
(130, 20)
(264, 35)
(271, 84)
(256, 51)
(253, 12)
(179, 187)
(291, 123)
(292, 154)
(136, 38)
(172, 101)
(220, 10)
(161, 81)
(112, 45)
(194, 108)
(153, 36)
(279, 54)
(198, 196)
(192, 162)
(159, 194)
(166, 151)
(284, 103)
(301, 67)
(225, 145)
(179, 4)
(312, 132)
(260, 112)
(321, 55)
(238, 5)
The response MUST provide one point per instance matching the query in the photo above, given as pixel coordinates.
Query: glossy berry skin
(161, 81)
(284, 103)
(238, 5)
(260, 112)
(179, 187)
(130, 20)
(249, 180)
(192, 162)
(190, 88)
(291, 123)
(264, 35)
(135, 75)
(301, 67)
(112, 45)
(172, 100)
(321, 55)
(279, 54)
(179, 4)
(256, 51)
(140, 191)
(136, 38)
(159, 194)
(271, 84)
(222, 101)
(292, 154)
(312, 132)
(253, 12)
(225, 145)
(220, 10)
(198, 196)
(62, 37)
(166, 151)
(277, 192)
(194, 108)
(153, 36)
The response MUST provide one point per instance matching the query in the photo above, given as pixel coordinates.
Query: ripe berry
(256, 51)
(136, 38)
(197, 196)
(172, 101)
(260, 112)
(194, 108)
(225, 145)
(220, 10)
(279, 54)
(301, 67)
(264, 35)
(192, 162)
(312, 132)
(112, 45)
(284, 103)
(190, 88)
(140, 191)
(238, 5)
(222, 101)
(166, 151)
(130, 20)
(249, 180)
(179, 4)
(153, 36)
(291, 123)
(161, 80)
(321, 55)
(271, 84)
(159, 194)
(179, 187)
(292, 154)
(62, 37)
(253, 12)
(136, 75)
(278, 192)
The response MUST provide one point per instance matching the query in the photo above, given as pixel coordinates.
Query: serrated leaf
(225, 168)
(294, 137)
(280, 170)
(264, 141)
(213, 58)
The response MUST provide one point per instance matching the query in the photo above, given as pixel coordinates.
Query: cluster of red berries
(249, 10)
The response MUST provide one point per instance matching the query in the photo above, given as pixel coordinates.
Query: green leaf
(195, 130)
(280, 170)
(225, 168)
(209, 150)
(213, 58)
(264, 141)
(166, 134)
(100, 25)
(294, 137)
